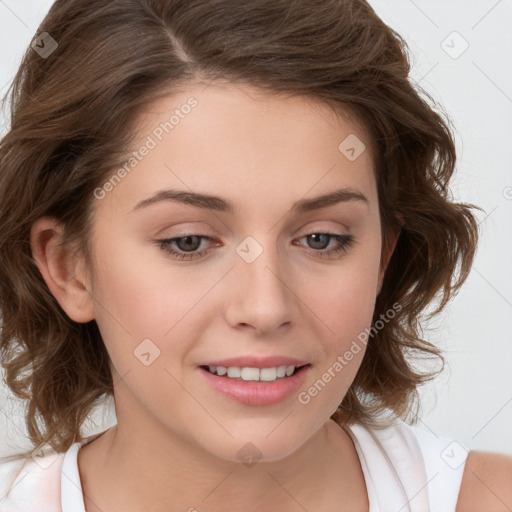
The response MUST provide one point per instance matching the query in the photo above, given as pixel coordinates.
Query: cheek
(126, 299)
(140, 297)
(343, 299)
(342, 308)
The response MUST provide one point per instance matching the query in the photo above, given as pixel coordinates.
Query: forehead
(248, 108)
(245, 142)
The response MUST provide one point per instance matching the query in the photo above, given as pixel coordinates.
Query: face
(258, 279)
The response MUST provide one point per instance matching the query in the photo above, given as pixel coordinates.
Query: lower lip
(257, 392)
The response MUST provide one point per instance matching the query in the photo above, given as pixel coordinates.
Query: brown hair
(71, 114)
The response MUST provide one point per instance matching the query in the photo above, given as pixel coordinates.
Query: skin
(176, 439)
(486, 483)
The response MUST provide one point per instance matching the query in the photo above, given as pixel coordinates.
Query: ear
(62, 270)
(387, 251)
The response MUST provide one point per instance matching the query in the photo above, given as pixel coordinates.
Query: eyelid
(205, 229)
(344, 243)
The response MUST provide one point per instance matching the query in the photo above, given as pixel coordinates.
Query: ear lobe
(61, 270)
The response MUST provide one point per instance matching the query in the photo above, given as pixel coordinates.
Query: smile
(247, 373)
(255, 386)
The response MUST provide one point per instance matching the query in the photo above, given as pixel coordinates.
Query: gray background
(472, 401)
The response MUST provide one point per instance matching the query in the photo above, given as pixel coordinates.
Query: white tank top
(406, 469)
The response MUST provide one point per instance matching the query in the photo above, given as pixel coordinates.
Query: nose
(260, 296)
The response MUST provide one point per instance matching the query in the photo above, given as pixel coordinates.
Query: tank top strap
(393, 466)
(445, 460)
(409, 469)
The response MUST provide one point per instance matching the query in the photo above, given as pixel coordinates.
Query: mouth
(255, 386)
(270, 374)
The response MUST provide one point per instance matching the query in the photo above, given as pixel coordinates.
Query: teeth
(281, 371)
(250, 374)
(263, 374)
(267, 374)
(234, 372)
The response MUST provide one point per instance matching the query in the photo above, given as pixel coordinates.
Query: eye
(321, 239)
(188, 245)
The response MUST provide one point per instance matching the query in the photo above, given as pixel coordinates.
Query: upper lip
(256, 362)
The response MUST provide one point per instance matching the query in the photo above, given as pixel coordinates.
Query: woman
(228, 215)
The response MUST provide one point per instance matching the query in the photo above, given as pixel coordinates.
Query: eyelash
(345, 242)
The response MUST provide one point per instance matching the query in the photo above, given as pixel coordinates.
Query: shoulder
(486, 483)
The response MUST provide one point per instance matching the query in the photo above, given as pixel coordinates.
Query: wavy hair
(70, 118)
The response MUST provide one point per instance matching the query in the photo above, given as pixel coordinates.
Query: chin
(249, 448)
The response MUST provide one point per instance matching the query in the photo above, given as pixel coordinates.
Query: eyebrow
(219, 204)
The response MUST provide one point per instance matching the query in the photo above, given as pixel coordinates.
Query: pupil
(186, 246)
(316, 236)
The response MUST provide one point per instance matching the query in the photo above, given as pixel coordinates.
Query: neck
(125, 470)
